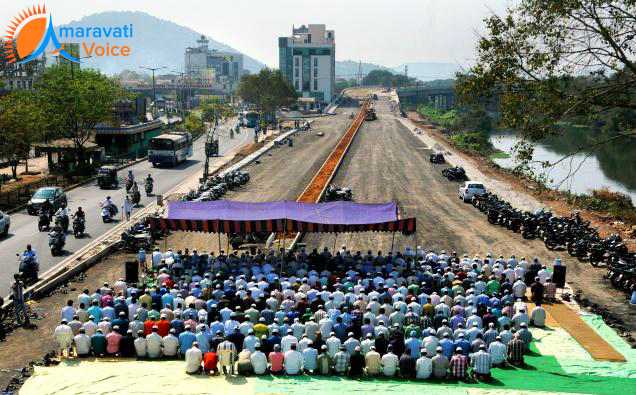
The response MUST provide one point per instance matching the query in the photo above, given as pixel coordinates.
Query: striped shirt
(459, 365)
(226, 352)
(498, 352)
(481, 362)
(515, 351)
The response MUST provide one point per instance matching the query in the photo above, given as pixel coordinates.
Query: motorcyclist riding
(130, 180)
(57, 239)
(29, 265)
(79, 220)
(109, 205)
(149, 184)
(79, 213)
(62, 216)
(47, 207)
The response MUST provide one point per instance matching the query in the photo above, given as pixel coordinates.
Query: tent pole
(335, 238)
(392, 242)
(282, 263)
(219, 243)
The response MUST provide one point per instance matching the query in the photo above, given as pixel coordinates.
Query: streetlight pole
(154, 89)
(181, 87)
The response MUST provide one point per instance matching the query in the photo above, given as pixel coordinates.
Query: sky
(387, 32)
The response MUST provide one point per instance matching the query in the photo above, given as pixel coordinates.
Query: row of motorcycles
(57, 231)
(139, 236)
(335, 193)
(569, 233)
(215, 187)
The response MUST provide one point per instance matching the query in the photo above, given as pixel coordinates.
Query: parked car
(5, 222)
(55, 195)
(470, 189)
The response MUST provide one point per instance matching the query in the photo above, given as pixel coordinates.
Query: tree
(75, 101)
(22, 123)
(268, 90)
(194, 124)
(387, 78)
(550, 61)
(214, 108)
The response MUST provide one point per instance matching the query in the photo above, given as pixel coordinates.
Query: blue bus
(249, 119)
(170, 148)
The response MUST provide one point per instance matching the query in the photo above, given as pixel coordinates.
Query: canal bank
(579, 166)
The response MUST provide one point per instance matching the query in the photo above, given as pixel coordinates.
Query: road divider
(318, 184)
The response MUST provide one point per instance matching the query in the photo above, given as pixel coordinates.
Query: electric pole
(154, 88)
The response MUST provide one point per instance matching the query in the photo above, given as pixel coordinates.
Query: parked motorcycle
(335, 193)
(455, 174)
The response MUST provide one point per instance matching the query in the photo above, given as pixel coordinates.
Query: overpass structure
(191, 89)
(439, 98)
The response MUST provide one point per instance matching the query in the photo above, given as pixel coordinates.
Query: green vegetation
(444, 118)
(387, 79)
(469, 127)
(267, 90)
(547, 62)
(75, 101)
(66, 103)
(615, 203)
(499, 155)
(22, 122)
(214, 108)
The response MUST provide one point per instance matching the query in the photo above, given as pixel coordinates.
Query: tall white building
(307, 59)
(210, 66)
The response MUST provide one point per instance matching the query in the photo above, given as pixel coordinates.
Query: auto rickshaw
(107, 177)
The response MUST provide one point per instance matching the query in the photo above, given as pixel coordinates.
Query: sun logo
(29, 34)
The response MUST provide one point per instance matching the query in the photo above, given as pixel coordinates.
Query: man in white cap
(193, 359)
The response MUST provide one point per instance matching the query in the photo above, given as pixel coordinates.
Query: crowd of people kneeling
(417, 314)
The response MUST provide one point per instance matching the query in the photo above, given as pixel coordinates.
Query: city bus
(170, 148)
(249, 119)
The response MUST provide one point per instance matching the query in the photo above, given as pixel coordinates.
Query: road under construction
(385, 160)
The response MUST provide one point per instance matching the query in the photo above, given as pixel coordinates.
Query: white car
(5, 222)
(470, 189)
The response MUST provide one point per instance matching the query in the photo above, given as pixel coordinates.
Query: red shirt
(148, 327)
(105, 300)
(276, 361)
(210, 360)
(164, 327)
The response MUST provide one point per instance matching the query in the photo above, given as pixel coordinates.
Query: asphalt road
(24, 228)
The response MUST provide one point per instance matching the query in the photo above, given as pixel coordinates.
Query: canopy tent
(223, 216)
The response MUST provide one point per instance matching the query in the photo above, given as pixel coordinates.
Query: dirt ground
(387, 162)
(26, 345)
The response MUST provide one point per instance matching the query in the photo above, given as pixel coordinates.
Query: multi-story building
(210, 66)
(14, 76)
(307, 60)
